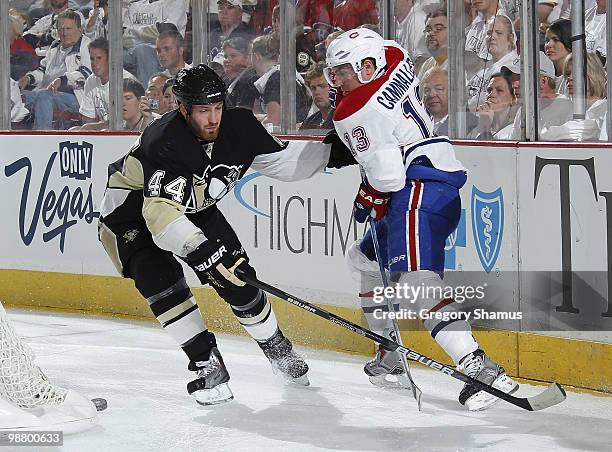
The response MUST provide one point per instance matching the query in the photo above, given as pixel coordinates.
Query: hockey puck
(100, 403)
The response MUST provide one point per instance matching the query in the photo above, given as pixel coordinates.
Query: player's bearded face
(205, 120)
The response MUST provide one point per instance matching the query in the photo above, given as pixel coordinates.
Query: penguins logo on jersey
(214, 184)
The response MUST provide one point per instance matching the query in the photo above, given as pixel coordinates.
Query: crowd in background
(60, 68)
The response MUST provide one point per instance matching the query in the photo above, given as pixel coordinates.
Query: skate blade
(214, 396)
(391, 382)
(301, 381)
(483, 400)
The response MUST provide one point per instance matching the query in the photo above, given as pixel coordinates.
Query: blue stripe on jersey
(425, 143)
(411, 112)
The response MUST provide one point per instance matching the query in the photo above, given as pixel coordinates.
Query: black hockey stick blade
(551, 396)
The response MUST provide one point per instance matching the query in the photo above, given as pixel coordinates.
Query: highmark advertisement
(297, 233)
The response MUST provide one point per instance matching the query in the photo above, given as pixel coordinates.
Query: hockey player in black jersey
(159, 204)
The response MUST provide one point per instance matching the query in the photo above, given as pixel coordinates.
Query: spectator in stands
(554, 109)
(241, 91)
(475, 39)
(44, 32)
(304, 46)
(143, 21)
(23, 57)
(58, 82)
(95, 26)
(235, 57)
(350, 14)
(595, 28)
(316, 83)
(18, 109)
(411, 16)
(168, 102)
(588, 129)
(264, 57)
(311, 12)
(436, 41)
(152, 101)
(133, 119)
(558, 45)
(170, 48)
(496, 115)
(228, 25)
(548, 11)
(94, 108)
(501, 42)
(435, 97)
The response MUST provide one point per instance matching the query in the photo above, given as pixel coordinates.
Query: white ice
(142, 373)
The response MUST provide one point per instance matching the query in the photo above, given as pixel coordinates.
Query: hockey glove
(370, 202)
(215, 264)
(340, 155)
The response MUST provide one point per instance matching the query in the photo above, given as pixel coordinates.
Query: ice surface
(142, 373)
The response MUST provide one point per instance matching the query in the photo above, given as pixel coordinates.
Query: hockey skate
(385, 370)
(211, 387)
(279, 351)
(477, 365)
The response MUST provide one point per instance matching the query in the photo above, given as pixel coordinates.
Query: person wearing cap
(228, 25)
(555, 109)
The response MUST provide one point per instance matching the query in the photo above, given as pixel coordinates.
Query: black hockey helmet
(198, 85)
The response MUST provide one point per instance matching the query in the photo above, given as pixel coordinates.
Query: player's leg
(253, 309)
(361, 259)
(160, 280)
(433, 210)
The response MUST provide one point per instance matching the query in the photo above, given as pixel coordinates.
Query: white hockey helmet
(352, 47)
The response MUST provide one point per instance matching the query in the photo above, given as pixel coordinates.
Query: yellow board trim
(534, 357)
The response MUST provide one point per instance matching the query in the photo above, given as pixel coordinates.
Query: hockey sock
(177, 311)
(257, 317)
(452, 333)
(375, 310)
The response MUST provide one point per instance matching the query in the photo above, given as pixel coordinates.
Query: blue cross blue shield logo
(488, 225)
(456, 239)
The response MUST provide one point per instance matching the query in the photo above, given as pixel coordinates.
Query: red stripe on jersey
(412, 226)
(440, 305)
(369, 294)
(357, 98)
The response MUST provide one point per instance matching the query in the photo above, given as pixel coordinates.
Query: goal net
(28, 400)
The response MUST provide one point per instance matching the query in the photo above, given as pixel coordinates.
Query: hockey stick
(551, 396)
(416, 392)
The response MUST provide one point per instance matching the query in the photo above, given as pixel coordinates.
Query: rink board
(297, 233)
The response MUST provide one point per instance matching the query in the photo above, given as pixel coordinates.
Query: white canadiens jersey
(385, 125)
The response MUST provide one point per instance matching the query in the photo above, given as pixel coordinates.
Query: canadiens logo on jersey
(214, 184)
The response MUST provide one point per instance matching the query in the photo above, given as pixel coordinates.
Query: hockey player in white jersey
(411, 188)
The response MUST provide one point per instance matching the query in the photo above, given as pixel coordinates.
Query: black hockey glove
(215, 264)
(340, 156)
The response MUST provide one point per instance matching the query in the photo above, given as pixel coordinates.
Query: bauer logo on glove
(370, 202)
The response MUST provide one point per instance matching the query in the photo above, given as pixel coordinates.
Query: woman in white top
(501, 44)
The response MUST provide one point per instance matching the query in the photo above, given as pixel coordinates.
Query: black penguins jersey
(169, 172)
